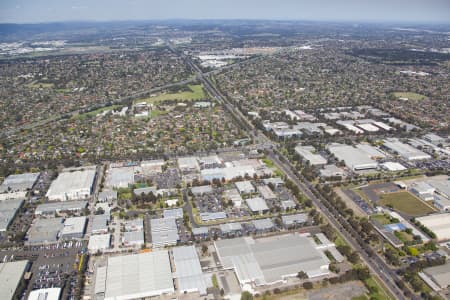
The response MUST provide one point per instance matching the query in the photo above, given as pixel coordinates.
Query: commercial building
(73, 185)
(213, 216)
(227, 173)
(404, 150)
(74, 228)
(434, 139)
(439, 224)
(441, 187)
(423, 190)
(99, 242)
(308, 154)
(266, 192)
(437, 277)
(8, 211)
(276, 181)
(19, 182)
(208, 162)
(11, 274)
(263, 224)
(164, 232)
(201, 190)
(392, 166)
(137, 276)
(53, 208)
(234, 196)
(100, 224)
(176, 213)
(121, 177)
(245, 187)
(271, 260)
(44, 231)
(188, 271)
(188, 164)
(371, 151)
(332, 171)
(45, 294)
(134, 225)
(107, 196)
(229, 228)
(287, 204)
(257, 205)
(293, 220)
(354, 158)
(133, 238)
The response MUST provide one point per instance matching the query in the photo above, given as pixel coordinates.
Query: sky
(42, 11)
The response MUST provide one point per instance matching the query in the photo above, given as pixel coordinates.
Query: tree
(308, 285)
(302, 275)
(246, 296)
(204, 249)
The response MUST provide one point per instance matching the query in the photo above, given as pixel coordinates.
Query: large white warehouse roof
(138, 276)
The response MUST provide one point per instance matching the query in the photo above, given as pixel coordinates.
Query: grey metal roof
(354, 158)
(439, 274)
(293, 219)
(164, 232)
(230, 227)
(8, 210)
(405, 150)
(257, 204)
(176, 213)
(133, 237)
(45, 230)
(108, 195)
(270, 260)
(287, 204)
(263, 224)
(211, 216)
(10, 277)
(19, 182)
(72, 185)
(138, 276)
(199, 190)
(99, 242)
(200, 230)
(188, 270)
(99, 223)
(75, 225)
(53, 207)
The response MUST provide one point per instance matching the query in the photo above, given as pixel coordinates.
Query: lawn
(196, 93)
(38, 85)
(406, 203)
(383, 219)
(381, 292)
(94, 113)
(410, 96)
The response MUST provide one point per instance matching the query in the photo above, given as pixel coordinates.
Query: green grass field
(383, 219)
(406, 203)
(196, 93)
(410, 96)
(96, 112)
(38, 85)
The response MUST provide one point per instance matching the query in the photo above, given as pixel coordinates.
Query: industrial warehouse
(72, 185)
(271, 260)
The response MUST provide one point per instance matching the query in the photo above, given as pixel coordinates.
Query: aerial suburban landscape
(224, 159)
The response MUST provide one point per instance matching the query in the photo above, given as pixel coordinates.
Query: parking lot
(54, 265)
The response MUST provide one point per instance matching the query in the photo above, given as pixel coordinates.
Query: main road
(375, 263)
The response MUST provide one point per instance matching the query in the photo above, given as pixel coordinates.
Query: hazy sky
(30, 11)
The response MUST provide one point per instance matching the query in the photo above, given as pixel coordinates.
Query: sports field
(196, 93)
(406, 203)
(410, 96)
